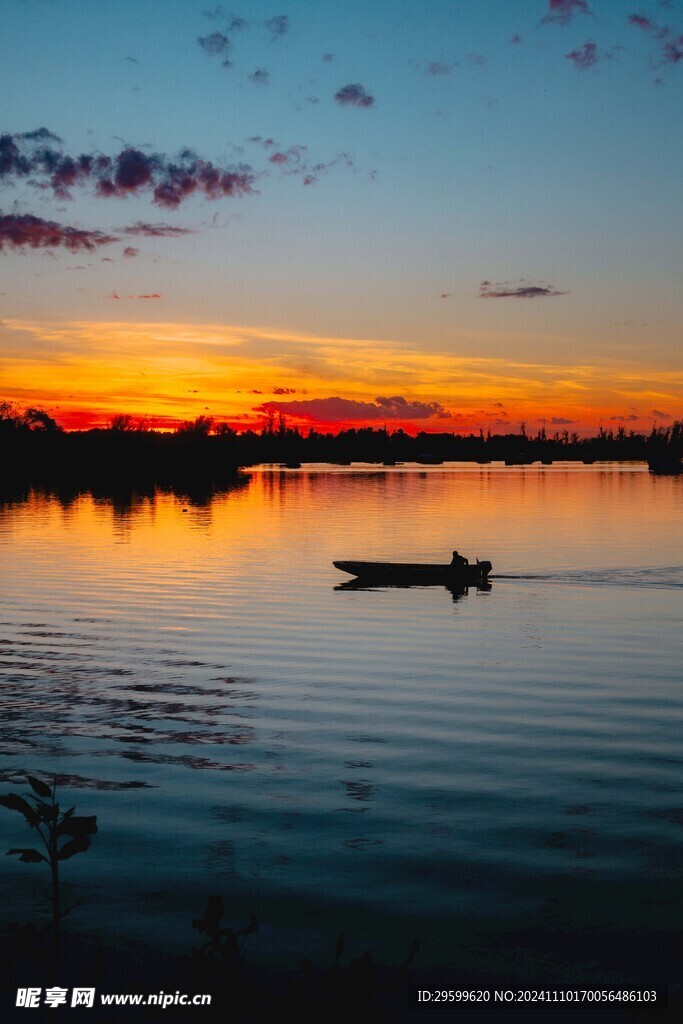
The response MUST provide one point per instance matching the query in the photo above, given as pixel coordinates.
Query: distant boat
(665, 465)
(407, 573)
(429, 460)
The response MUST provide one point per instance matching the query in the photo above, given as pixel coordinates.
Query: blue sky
(488, 153)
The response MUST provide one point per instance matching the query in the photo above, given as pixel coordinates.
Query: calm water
(389, 762)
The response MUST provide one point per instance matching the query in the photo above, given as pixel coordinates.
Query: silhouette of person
(458, 561)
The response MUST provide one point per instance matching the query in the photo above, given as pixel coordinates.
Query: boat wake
(668, 577)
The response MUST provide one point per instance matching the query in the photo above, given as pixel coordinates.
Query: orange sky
(84, 372)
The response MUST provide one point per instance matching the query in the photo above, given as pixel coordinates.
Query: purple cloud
(336, 409)
(278, 26)
(214, 45)
(523, 291)
(661, 415)
(560, 421)
(131, 172)
(27, 231)
(669, 39)
(585, 57)
(354, 95)
(562, 11)
(155, 230)
(260, 77)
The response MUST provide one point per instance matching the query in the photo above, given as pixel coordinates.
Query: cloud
(354, 95)
(563, 11)
(214, 45)
(522, 291)
(130, 251)
(278, 26)
(153, 295)
(661, 415)
(26, 231)
(623, 419)
(327, 57)
(336, 409)
(130, 172)
(260, 77)
(516, 38)
(641, 21)
(670, 40)
(40, 135)
(560, 421)
(155, 230)
(585, 57)
(284, 391)
(438, 67)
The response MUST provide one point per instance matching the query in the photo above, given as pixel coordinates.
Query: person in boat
(458, 561)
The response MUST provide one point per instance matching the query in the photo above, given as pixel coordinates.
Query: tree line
(34, 448)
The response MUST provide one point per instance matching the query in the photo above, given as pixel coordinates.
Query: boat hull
(408, 573)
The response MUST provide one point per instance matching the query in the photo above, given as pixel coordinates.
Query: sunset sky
(441, 215)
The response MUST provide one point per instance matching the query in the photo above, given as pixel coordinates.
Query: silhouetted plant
(224, 945)
(43, 815)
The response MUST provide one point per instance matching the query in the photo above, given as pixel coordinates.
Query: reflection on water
(244, 722)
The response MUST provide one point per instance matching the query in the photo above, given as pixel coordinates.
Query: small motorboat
(418, 574)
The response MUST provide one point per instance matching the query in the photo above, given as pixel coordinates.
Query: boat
(411, 573)
(665, 465)
(427, 459)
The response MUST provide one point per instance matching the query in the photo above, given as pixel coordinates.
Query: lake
(391, 762)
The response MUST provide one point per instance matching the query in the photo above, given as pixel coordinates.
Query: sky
(442, 215)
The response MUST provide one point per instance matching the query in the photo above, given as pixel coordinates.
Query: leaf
(74, 846)
(29, 856)
(78, 825)
(17, 803)
(340, 946)
(39, 787)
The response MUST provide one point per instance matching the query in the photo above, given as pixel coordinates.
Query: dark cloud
(560, 421)
(130, 251)
(623, 419)
(516, 38)
(354, 95)
(153, 295)
(563, 11)
(522, 291)
(284, 391)
(327, 57)
(435, 68)
(155, 230)
(40, 135)
(476, 58)
(278, 26)
(131, 172)
(336, 409)
(585, 57)
(661, 415)
(260, 77)
(214, 45)
(27, 231)
(445, 295)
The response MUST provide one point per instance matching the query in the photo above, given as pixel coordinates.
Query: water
(388, 762)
